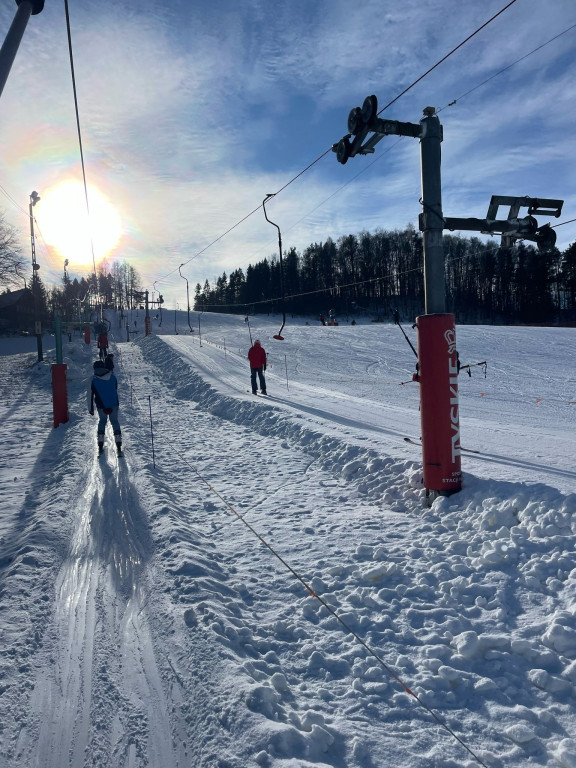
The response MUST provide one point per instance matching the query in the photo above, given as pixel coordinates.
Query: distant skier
(104, 390)
(257, 357)
(322, 319)
(102, 345)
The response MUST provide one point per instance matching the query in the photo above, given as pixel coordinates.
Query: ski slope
(154, 608)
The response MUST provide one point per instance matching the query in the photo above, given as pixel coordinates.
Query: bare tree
(11, 259)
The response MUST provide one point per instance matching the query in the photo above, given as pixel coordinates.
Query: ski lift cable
(11, 199)
(325, 603)
(327, 151)
(68, 30)
(357, 282)
(505, 69)
(553, 226)
(443, 59)
(366, 168)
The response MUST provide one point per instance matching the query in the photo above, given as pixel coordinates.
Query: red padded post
(439, 411)
(59, 394)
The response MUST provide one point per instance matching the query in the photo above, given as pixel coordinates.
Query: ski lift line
(482, 253)
(329, 150)
(346, 285)
(242, 220)
(337, 191)
(326, 605)
(290, 228)
(447, 56)
(553, 226)
(505, 69)
(16, 204)
(486, 252)
(68, 30)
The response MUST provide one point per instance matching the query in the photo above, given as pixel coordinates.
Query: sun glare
(63, 220)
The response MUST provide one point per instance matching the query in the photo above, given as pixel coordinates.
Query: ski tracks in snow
(105, 679)
(99, 694)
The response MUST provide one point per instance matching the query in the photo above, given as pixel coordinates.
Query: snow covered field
(144, 623)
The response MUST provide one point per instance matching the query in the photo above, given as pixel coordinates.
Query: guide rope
(325, 604)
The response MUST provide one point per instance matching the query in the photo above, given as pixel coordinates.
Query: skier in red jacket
(102, 345)
(257, 357)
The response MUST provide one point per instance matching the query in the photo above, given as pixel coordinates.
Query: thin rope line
(447, 56)
(26, 213)
(451, 104)
(330, 148)
(328, 607)
(562, 223)
(448, 260)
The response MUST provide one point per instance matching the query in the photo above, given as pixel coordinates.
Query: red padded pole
(59, 394)
(439, 411)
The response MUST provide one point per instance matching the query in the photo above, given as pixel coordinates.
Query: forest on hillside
(377, 273)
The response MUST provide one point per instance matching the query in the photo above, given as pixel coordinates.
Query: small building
(17, 310)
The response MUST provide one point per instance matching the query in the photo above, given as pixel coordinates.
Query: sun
(63, 220)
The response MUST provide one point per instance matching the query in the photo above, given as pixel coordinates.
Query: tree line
(116, 288)
(377, 273)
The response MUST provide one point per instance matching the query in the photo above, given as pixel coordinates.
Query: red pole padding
(439, 412)
(59, 394)
(87, 334)
(147, 326)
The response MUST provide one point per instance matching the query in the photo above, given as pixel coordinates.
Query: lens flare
(63, 219)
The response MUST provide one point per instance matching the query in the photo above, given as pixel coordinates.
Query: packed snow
(261, 581)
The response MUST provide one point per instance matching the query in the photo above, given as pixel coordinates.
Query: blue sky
(191, 112)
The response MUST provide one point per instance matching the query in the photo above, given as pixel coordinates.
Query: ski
(418, 442)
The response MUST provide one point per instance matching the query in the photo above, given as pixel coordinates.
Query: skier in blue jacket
(104, 390)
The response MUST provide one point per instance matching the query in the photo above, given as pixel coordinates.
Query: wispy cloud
(191, 113)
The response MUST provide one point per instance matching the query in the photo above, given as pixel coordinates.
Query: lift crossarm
(539, 205)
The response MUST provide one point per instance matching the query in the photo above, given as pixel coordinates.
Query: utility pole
(437, 355)
(147, 322)
(438, 364)
(34, 198)
(432, 222)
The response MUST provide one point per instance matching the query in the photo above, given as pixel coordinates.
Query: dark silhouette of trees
(382, 271)
(118, 288)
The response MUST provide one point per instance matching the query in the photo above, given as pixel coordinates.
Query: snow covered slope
(162, 609)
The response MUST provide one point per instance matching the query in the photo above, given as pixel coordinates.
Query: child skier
(104, 390)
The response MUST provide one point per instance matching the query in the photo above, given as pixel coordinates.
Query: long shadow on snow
(119, 526)
(30, 529)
